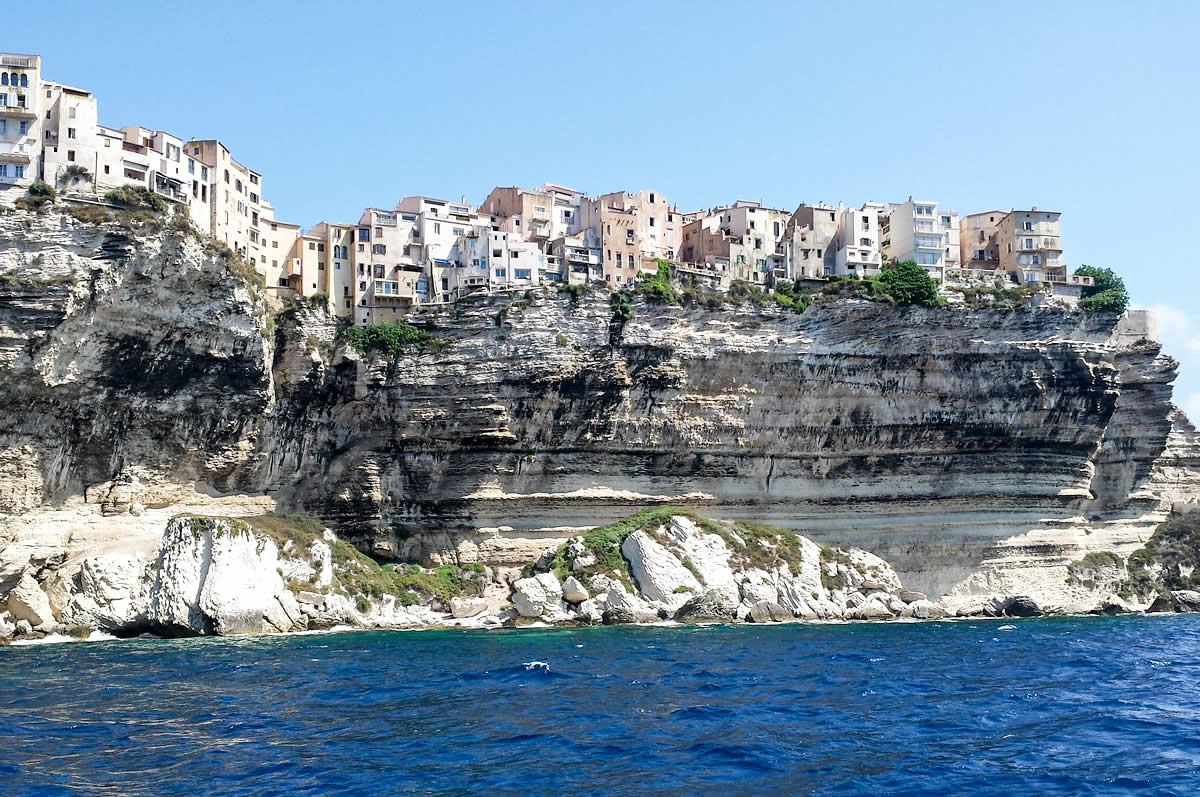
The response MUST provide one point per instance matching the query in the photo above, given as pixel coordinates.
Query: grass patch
(88, 214)
(137, 197)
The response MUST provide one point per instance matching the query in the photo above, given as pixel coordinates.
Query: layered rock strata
(977, 451)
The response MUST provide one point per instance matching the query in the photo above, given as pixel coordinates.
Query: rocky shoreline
(283, 573)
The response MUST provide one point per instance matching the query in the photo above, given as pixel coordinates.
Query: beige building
(235, 199)
(1029, 246)
(634, 229)
(977, 240)
(21, 113)
(810, 242)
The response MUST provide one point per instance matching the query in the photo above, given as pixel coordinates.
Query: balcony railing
(17, 110)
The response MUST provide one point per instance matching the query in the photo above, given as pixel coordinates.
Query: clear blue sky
(1090, 108)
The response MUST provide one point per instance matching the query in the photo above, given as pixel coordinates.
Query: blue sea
(1048, 706)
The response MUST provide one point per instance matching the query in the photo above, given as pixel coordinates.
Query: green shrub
(561, 339)
(74, 172)
(37, 197)
(657, 288)
(907, 283)
(622, 305)
(1107, 295)
(388, 338)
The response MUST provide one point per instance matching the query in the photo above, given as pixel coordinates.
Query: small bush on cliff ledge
(389, 338)
(136, 198)
(38, 196)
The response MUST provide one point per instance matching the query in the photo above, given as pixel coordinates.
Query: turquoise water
(1049, 706)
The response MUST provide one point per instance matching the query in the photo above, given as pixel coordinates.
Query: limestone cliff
(978, 451)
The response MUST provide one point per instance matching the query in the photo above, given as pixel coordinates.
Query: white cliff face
(979, 452)
(217, 576)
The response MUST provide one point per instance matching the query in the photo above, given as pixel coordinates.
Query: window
(618, 259)
(19, 171)
(24, 128)
(227, 175)
(652, 222)
(501, 272)
(312, 245)
(24, 81)
(437, 228)
(70, 132)
(364, 235)
(379, 249)
(362, 247)
(946, 222)
(254, 179)
(70, 155)
(3, 126)
(3, 170)
(651, 199)
(979, 255)
(203, 172)
(1028, 226)
(1028, 243)
(320, 247)
(320, 266)
(758, 243)
(253, 197)
(514, 253)
(521, 273)
(191, 166)
(752, 225)
(497, 253)
(3, 78)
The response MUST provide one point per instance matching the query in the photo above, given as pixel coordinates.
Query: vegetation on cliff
(364, 578)
(1107, 295)
(388, 338)
(751, 544)
(1170, 559)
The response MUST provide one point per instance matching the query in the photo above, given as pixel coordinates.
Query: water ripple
(1057, 706)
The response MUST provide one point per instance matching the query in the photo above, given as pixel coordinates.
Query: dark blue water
(1055, 706)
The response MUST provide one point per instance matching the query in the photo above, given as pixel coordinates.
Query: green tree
(908, 283)
(1107, 295)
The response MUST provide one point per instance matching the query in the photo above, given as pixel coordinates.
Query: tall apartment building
(858, 240)
(1024, 244)
(389, 265)
(1029, 246)
(20, 120)
(235, 198)
(919, 231)
(810, 242)
(977, 240)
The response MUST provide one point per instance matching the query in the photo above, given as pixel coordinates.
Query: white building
(20, 121)
(858, 240)
(918, 231)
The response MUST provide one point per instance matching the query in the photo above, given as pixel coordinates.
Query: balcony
(17, 111)
(17, 154)
(385, 219)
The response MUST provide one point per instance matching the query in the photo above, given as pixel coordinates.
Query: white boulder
(215, 576)
(573, 591)
(537, 595)
(28, 601)
(467, 607)
(657, 572)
